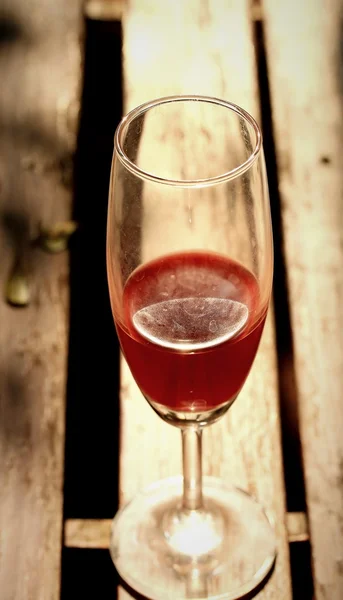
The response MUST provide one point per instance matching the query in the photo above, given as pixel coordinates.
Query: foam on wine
(190, 324)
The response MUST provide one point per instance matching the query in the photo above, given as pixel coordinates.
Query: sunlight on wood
(309, 133)
(195, 47)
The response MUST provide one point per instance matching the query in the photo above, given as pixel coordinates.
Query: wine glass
(190, 262)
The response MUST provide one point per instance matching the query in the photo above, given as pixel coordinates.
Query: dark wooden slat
(40, 71)
(304, 54)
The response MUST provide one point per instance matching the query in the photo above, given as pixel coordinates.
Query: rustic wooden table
(282, 61)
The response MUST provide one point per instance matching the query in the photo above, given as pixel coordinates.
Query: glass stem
(192, 468)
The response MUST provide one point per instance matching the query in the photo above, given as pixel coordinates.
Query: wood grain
(40, 70)
(304, 50)
(206, 48)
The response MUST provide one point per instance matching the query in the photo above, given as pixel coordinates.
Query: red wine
(191, 327)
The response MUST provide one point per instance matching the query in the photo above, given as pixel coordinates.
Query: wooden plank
(95, 533)
(213, 55)
(40, 72)
(297, 527)
(87, 533)
(305, 67)
(104, 10)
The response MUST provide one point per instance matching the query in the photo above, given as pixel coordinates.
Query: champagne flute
(190, 262)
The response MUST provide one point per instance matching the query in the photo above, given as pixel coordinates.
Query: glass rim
(223, 177)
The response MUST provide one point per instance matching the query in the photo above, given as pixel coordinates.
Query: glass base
(163, 552)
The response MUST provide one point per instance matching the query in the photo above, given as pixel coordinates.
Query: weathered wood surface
(304, 51)
(40, 71)
(197, 47)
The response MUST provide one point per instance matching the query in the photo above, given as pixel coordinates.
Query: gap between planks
(95, 533)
